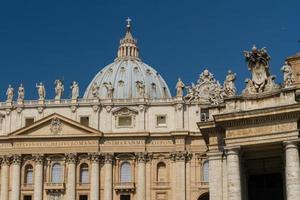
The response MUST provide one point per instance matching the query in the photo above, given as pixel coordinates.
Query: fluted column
(292, 170)
(4, 177)
(108, 179)
(180, 158)
(233, 174)
(215, 176)
(94, 193)
(141, 176)
(38, 177)
(16, 177)
(71, 179)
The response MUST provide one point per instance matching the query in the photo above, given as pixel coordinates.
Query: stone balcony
(27, 186)
(124, 187)
(55, 187)
(161, 185)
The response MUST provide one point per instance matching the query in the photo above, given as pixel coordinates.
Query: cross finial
(128, 22)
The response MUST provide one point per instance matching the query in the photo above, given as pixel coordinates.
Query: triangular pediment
(55, 125)
(124, 111)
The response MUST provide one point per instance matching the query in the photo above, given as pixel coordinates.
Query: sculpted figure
(59, 89)
(41, 91)
(179, 88)
(21, 93)
(95, 89)
(288, 75)
(75, 90)
(140, 88)
(10, 94)
(109, 89)
(229, 86)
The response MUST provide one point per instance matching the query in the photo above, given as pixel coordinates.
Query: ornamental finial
(128, 23)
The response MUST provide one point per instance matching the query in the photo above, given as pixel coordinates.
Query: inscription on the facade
(55, 144)
(124, 142)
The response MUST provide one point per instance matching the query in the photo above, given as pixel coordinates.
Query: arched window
(56, 173)
(84, 173)
(162, 175)
(205, 171)
(28, 178)
(125, 173)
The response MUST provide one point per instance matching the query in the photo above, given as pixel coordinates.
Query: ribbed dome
(128, 77)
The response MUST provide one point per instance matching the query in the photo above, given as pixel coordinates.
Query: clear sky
(51, 39)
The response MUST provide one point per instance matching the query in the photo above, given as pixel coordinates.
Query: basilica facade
(127, 138)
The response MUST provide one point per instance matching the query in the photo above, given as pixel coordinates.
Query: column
(141, 177)
(71, 179)
(172, 172)
(16, 177)
(38, 177)
(4, 177)
(188, 176)
(180, 175)
(233, 174)
(148, 176)
(292, 170)
(94, 193)
(215, 175)
(108, 179)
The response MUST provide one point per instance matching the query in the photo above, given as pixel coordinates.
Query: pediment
(124, 111)
(55, 125)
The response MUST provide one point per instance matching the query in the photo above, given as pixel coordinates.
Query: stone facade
(209, 143)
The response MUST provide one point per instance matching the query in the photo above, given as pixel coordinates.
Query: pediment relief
(124, 111)
(54, 126)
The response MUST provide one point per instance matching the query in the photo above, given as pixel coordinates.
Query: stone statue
(110, 90)
(21, 93)
(59, 89)
(258, 64)
(95, 90)
(10, 94)
(229, 86)
(179, 88)
(288, 75)
(140, 88)
(75, 90)
(41, 91)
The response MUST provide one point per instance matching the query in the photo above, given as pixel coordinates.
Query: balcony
(83, 185)
(27, 186)
(124, 187)
(161, 185)
(54, 187)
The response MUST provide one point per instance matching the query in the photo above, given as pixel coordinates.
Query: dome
(128, 77)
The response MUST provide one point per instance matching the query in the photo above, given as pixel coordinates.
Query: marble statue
(75, 90)
(41, 91)
(59, 89)
(258, 64)
(229, 86)
(110, 90)
(288, 75)
(21, 93)
(179, 88)
(95, 90)
(140, 88)
(10, 94)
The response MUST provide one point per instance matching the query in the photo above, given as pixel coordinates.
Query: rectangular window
(124, 121)
(1, 123)
(83, 197)
(85, 121)
(29, 121)
(161, 121)
(204, 115)
(27, 197)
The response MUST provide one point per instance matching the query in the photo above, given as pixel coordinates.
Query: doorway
(125, 197)
(265, 186)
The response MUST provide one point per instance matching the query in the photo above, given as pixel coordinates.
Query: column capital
(179, 156)
(291, 144)
(5, 160)
(95, 157)
(71, 157)
(215, 155)
(16, 159)
(38, 158)
(108, 158)
(141, 156)
(233, 150)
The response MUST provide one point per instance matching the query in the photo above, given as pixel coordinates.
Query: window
(161, 120)
(84, 173)
(29, 121)
(85, 121)
(28, 174)
(204, 115)
(161, 172)
(1, 123)
(27, 197)
(125, 173)
(83, 197)
(124, 121)
(56, 173)
(205, 170)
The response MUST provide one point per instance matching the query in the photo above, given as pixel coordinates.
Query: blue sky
(50, 39)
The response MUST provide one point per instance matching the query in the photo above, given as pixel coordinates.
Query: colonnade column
(215, 175)
(71, 179)
(38, 177)
(292, 170)
(180, 158)
(94, 193)
(4, 177)
(16, 177)
(233, 174)
(108, 179)
(141, 176)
